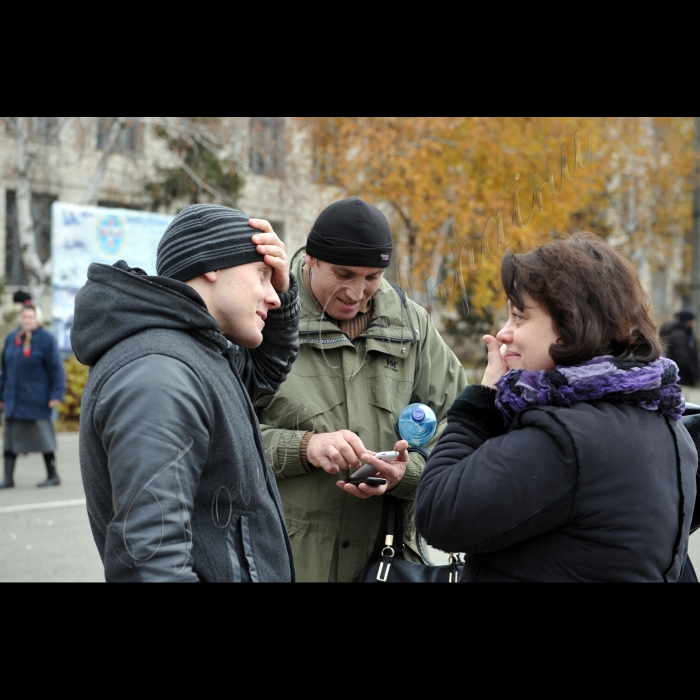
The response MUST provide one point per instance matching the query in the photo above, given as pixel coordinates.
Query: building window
(130, 139)
(45, 129)
(15, 272)
(325, 166)
(267, 146)
(325, 153)
(41, 128)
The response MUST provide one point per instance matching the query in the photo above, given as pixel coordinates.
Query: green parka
(362, 386)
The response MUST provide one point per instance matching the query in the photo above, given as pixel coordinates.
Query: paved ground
(44, 533)
(695, 551)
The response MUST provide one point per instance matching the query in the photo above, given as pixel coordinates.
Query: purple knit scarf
(652, 386)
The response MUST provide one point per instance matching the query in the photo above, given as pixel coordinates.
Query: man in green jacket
(366, 353)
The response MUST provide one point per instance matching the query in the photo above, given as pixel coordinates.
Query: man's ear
(310, 262)
(211, 276)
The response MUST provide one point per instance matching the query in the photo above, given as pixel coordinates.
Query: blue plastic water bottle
(417, 425)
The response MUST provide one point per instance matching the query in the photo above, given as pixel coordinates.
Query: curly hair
(592, 293)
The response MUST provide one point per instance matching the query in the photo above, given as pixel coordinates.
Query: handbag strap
(393, 517)
(393, 525)
(388, 552)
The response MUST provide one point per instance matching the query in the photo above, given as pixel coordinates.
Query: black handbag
(392, 567)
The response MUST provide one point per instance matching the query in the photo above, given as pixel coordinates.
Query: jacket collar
(392, 318)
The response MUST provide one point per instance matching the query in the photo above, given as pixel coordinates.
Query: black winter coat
(178, 485)
(594, 493)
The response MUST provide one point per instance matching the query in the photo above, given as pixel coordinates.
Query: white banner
(81, 236)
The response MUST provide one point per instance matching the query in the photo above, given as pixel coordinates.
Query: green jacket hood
(392, 319)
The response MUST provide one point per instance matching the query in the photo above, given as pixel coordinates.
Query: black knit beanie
(204, 238)
(21, 297)
(352, 233)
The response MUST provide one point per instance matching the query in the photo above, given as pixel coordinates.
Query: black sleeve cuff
(422, 451)
(290, 311)
(477, 405)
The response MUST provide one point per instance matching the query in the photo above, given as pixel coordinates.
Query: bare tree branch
(201, 183)
(95, 182)
(39, 274)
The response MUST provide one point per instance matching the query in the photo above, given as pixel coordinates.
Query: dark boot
(9, 472)
(53, 479)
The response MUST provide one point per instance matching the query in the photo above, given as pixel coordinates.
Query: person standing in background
(679, 337)
(32, 383)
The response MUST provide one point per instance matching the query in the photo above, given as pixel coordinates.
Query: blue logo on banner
(111, 235)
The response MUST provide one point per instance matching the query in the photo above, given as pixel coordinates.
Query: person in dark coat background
(569, 462)
(32, 383)
(681, 347)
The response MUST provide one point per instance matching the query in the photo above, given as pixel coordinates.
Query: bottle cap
(419, 415)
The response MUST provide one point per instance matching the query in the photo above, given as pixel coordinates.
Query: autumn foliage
(460, 190)
(76, 379)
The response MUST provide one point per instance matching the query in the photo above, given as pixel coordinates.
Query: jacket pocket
(385, 420)
(313, 547)
(240, 548)
(248, 549)
(378, 393)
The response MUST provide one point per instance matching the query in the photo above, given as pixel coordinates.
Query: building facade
(110, 161)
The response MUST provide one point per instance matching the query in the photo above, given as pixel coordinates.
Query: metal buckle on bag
(455, 561)
(384, 569)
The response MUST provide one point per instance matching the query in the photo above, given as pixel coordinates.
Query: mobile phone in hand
(370, 481)
(369, 471)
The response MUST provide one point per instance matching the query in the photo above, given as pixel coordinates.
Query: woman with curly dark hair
(568, 463)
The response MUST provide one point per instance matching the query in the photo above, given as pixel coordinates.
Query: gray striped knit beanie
(204, 238)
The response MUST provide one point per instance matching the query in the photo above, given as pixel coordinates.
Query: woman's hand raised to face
(497, 362)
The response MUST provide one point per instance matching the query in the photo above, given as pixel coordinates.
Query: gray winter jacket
(178, 486)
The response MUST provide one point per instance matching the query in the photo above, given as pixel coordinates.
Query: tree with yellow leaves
(463, 189)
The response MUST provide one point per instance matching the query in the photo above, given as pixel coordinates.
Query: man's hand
(497, 368)
(54, 403)
(393, 472)
(2, 405)
(275, 253)
(335, 451)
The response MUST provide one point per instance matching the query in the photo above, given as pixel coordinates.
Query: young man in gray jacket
(177, 482)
